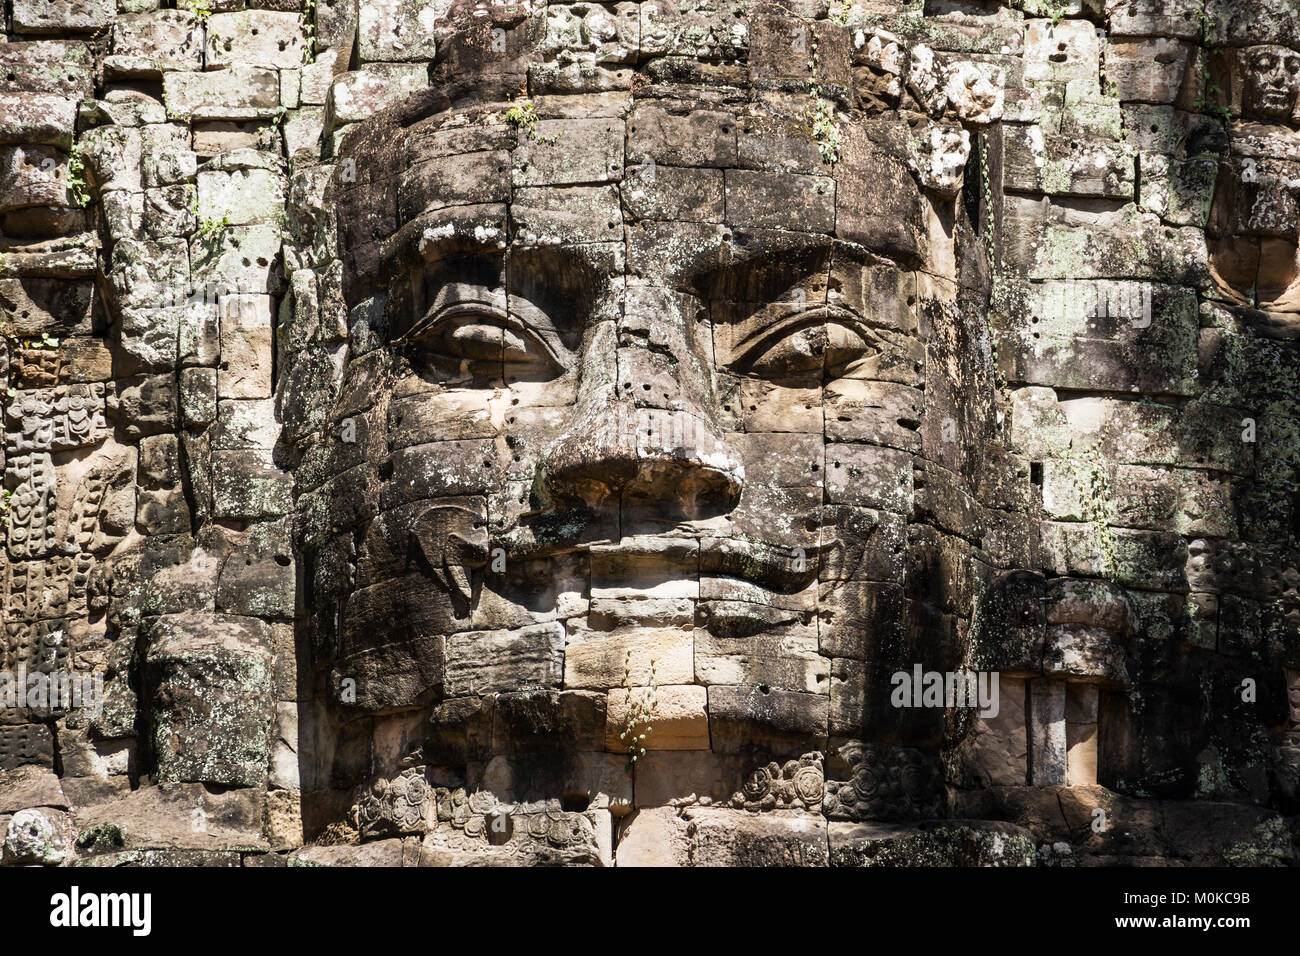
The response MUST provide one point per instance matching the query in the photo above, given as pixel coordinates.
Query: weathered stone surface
(1111, 335)
(263, 38)
(237, 93)
(38, 118)
(601, 659)
(210, 677)
(60, 16)
(49, 66)
(361, 93)
(739, 715)
(37, 836)
(30, 786)
(718, 837)
(403, 401)
(985, 844)
(480, 662)
(239, 188)
(246, 326)
(185, 816)
(678, 720)
(150, 43)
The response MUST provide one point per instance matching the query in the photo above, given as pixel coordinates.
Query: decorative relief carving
(56, 419)
(53, 587)
(36, 646)
(395, 806)
(885, 783)
(793, 785)
(30, 532)
(36, 368)
(22, 744)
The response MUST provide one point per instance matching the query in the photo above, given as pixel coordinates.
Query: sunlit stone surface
(650, 433)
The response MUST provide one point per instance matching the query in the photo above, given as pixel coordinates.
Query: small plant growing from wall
(209, 227)
(1210, 92)
(44, 341)
(275, 123)
(845, 14)
(1092, 484)
(990, 239)
(523, 117)
(821, 114)
(1056, 11)
(309, 31)
(202, 10)
(78, 187)
(1207, 100)
(637, 711)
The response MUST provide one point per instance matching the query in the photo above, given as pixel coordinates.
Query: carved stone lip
(738, 619)
(775, 567)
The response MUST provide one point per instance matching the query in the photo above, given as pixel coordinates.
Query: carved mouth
(744, 619)
(780, 568)
(776, 567)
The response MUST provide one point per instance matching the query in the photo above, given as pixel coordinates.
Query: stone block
(147, 44)
(246, 347)
(237, 93)
(362, 93)
(209, 677)
(598, 660)
(677, 719)
(1047, 743)
(58, 17)
(260, 38)
(482, 662)
(741, 717)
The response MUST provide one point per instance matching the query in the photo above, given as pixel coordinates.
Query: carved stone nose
(645, 431)
(618, 451)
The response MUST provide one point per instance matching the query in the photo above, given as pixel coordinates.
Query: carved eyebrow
(776, 275)
(466, 232)
(765, 264)
(431, 237)
(752, 347)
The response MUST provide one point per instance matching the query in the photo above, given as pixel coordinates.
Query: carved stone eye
(483, 339)
(467, 329)
(1265, 62)
(828, 347)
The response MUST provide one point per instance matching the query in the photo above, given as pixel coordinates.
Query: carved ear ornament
(450, 542)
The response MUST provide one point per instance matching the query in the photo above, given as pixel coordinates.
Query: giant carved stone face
(635, 397)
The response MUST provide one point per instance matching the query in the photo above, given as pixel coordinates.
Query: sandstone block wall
(362, 583)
